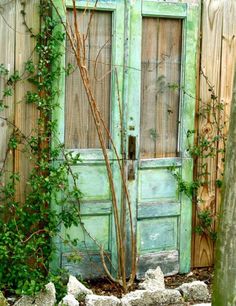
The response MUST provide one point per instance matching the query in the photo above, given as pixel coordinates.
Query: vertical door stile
(132, 101)
(116, 99)
(58, 115)
(188, 113)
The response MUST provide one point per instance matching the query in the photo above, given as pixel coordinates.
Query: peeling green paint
(158, 211)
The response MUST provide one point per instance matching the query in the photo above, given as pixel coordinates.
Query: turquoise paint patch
(156, 184)
(93, 182)
(98, 227)
(157, 235)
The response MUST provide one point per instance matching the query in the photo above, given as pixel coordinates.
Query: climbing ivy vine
(210, 143)
(28, 226)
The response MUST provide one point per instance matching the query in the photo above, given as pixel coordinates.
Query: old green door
(151, 47)
(103, 29)
(160, 111)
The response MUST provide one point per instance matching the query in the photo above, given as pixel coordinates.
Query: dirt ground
(105, 287)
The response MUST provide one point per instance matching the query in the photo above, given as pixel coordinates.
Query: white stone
(69, 300)
(195, 291)
(134, 298)
(97, 300)
(77, 289)
(46, 297)
(155, 274)
(204, 304)
(154, 280)
(149, 298)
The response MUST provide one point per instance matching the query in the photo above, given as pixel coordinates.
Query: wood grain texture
(217, 63)
(25, 115)
(210, 64)
(80, 131)
(7, 56)
(228, 62)
(161, 66)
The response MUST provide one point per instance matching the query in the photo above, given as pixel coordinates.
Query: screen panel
(160, 91)
(80, 130)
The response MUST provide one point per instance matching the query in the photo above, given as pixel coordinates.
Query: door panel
(157, 234)
(80, 130)
(157, 184)
(93, 182)
(161, 70)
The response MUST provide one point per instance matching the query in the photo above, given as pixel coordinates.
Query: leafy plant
(28, 226)
(205, 148)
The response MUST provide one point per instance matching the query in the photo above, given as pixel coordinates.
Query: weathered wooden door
(103, 29)
(162, 57)
(149, 47)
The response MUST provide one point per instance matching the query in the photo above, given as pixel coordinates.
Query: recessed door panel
(157, 235)
(160, 91)
(92, 181)
(157, 185)
(80, 130)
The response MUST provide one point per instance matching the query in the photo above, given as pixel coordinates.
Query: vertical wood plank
(25, 115)
(228, 62)
(161, 63)
(148, 89)
(169, 57)
(100, 66)
(76, 106)
(80, 130)
(210, 64)
(7, 56)
(188, 115)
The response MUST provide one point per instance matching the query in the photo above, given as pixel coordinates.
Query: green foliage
(7, 92)
(188, 188)
(209, 143)
(69, 69)
(153, 134)
(29, 66)
(206, 220)
(60, 279)
(15, 77)
(28, 226)
(3, 70)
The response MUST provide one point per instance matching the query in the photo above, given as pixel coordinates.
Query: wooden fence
(17, 47)
(216, 59)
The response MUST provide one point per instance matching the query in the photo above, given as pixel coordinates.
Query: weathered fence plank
(7, 55)
(217, 63)
(25, 115)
